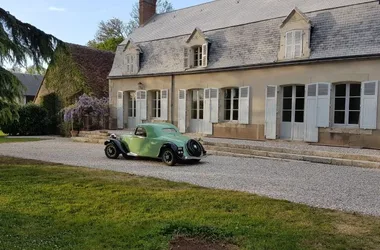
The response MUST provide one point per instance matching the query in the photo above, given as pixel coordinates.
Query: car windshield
(169, 131)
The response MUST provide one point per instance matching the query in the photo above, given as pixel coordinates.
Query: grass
(49, 206)
(9, 140)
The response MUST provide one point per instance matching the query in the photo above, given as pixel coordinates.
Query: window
(169, 130)
(156, 104)
(198, 56)
(132, 104)
(293, 104)
(130, 63)
(347, 104)
(293, 44)
(197, 104)
(231, 104)
(140, 132)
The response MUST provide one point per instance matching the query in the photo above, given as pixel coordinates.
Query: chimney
(147, 9)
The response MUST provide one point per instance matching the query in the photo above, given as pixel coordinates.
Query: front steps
(315, 156)
(97, 137)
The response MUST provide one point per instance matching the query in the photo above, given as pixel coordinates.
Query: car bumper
(204, 155)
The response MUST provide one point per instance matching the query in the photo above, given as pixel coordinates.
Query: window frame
(293, 45)
(156, 104)
(130, 63)
(144, 135)
(235, 92)
(132, 104)
(197, 56)
(347, 109)
(200, 98)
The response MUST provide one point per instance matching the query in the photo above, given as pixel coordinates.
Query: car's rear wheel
(169, 158)
(112, 152)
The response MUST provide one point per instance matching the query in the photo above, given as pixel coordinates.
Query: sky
(75, 21)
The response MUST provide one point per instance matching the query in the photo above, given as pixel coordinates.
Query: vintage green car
(159, 141)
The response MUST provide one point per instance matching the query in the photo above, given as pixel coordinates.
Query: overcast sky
(75, 21)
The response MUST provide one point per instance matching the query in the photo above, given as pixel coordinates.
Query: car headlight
(113, 136)
(180, 150)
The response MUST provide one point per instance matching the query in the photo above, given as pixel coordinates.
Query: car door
(138, 141)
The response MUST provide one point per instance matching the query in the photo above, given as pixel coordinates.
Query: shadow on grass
(5, 160)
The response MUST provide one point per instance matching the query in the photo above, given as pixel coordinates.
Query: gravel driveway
(336, 187)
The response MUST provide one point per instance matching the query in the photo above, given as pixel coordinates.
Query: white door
(271, 112)
(131, 123)
(197, 111)
(120, 110)
(293, 110)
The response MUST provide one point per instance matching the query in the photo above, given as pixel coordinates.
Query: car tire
(112, 152)
(169, 158)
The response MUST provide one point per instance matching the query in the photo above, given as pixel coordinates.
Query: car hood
(178, 139)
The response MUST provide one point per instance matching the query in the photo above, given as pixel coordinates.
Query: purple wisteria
(86, 105)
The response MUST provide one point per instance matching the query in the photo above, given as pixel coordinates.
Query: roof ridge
(89, 48)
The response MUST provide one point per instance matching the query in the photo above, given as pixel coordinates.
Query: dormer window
(197, 56)
(295, 33)
(293, 44)
(195, 52)
(131, 58)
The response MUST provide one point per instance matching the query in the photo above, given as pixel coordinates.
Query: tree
(35, 71)
(19, 41)
(163, 6)
(112, 32)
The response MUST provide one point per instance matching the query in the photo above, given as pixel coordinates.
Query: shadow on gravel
(180, 163)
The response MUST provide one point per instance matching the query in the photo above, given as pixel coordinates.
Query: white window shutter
(244, 95)
(311, 129)
(289, 45)
(369, 105)
(138, 107)
(298, 43)
(186, 57)
(271, 112)
(143, 100)
(214, 103)
(182, 110)
(164, 104)
(137, 63)
(120, 110)
(205, 55)
(323, 104)
(207, 105)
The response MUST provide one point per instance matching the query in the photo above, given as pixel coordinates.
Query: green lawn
(47, 206)
(9, 140)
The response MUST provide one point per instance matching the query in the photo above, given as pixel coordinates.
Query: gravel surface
(296, 145)
(327, 186)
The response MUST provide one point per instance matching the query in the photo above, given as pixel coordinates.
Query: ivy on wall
(64, 77)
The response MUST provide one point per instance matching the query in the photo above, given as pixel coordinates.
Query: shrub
(33, 121)
(53, 106)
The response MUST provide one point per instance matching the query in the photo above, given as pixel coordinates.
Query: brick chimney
(147, 10)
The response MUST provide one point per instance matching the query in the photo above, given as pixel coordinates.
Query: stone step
(326, 154)
(248, 153)
(88, 140)
(101, 133)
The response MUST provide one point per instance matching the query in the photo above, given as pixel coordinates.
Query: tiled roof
(226, 13)
(31, 82)
(95, 65)
(346, 31)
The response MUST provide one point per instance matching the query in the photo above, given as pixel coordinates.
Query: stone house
(31, 83)
(301, 70)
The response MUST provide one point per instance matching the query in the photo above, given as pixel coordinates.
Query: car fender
(121, 146)
(167, 145)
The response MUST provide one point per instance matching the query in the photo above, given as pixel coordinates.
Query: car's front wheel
(169, 158)
(112, 152)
